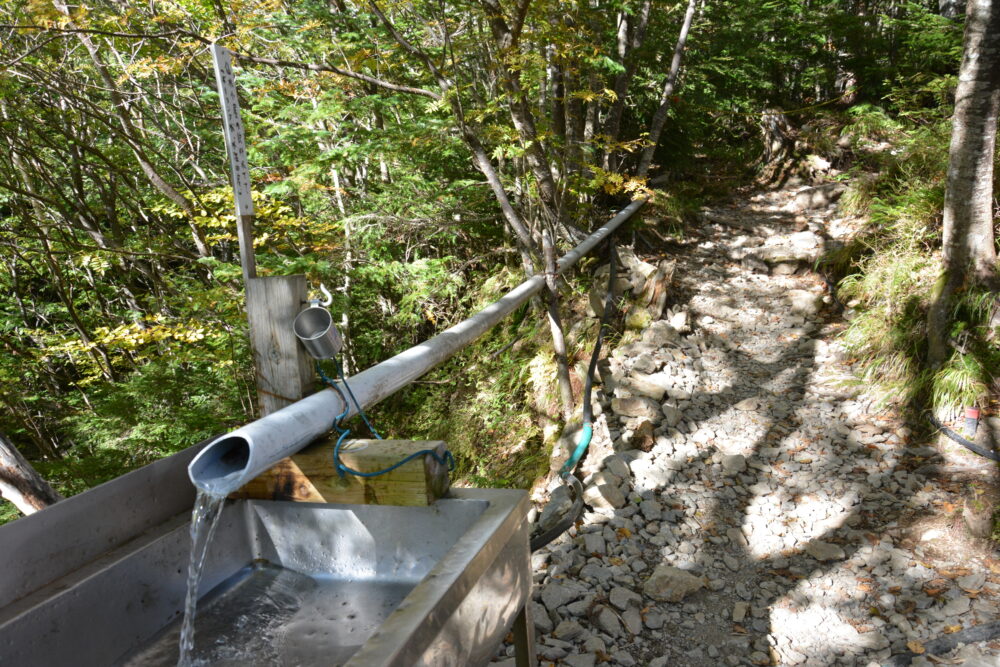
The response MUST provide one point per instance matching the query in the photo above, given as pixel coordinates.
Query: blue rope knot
(447, 459)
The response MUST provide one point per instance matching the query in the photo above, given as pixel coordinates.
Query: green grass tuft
(892, 267)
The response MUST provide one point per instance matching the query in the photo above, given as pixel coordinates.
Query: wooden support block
(309, 476)
(284, 369)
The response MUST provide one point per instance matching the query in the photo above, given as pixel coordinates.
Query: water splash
(204, 520)
(266, 615)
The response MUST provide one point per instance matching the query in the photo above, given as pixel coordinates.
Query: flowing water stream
(204, 519)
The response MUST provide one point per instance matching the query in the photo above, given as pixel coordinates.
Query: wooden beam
(284, 371)
(309, 476)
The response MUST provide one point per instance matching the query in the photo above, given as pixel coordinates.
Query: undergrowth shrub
(482, 401)
(891, 268)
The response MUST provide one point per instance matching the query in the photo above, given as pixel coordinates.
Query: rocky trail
(747, 503)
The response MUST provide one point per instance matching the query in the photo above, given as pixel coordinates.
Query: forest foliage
(395, 149)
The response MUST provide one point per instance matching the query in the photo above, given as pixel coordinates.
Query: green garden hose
(587, 432)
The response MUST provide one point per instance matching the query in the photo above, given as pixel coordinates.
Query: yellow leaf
(915, 646)
(952, 629)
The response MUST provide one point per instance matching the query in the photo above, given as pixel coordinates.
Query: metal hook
(319, 302)
(326, 293)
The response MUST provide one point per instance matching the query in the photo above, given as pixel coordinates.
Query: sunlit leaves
(614, 183)
(370, 191)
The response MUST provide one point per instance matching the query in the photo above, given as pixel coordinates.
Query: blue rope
(448, 459)
(364, 417)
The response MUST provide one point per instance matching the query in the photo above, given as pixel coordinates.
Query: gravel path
(777, 518)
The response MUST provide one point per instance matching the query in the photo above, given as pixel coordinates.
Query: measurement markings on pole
(233, 125)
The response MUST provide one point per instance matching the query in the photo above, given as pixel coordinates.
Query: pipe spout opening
(217, 469)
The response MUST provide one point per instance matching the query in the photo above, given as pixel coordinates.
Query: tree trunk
(968, 253)
(660, 117)
(779, 146)
(556, 328)
(345, 316)
(575, 119)
(506, 38)
(20, 483)
(951, 8)
(557, 100)
(631, 35)
(480, 156)
(121, 111)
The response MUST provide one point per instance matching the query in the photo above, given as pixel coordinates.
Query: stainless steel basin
(99, 579)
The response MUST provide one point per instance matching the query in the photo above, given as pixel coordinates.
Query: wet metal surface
(268, 615)
(425, 585)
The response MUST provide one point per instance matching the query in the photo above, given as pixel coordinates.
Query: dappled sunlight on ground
(773, 483)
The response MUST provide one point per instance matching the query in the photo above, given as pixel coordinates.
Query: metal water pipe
(234, 459)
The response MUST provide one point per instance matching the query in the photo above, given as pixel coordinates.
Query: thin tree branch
(443, 82)
(325, 67)
(36, 48)
(107, 33)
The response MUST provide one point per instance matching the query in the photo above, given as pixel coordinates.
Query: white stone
(604, 496)
(593, 543)
(672, 416)
(646, 385)
(622, 597)
(679, 321)
(932, 534)
(617, 466)
(872, 641)
(607, 621)
(580, 660)
(734, 464)
(824, 551)
(805, 240)
(804, 302)
(568, 630)
(972, 582)
(651, 510)
(632, 619)
(955, 607)
(661, 333)
(540, 617)
(637, 406)
(555, 594)
(671, 584)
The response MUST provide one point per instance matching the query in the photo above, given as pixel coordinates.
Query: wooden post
(284, 370)
(309, 476)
